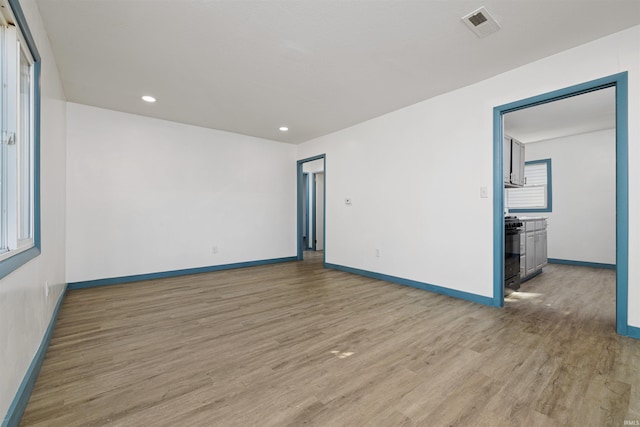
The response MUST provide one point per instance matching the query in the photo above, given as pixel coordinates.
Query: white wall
(25, 305)
(414, 175)
(582, 225)
(313, 166)
(147, 195)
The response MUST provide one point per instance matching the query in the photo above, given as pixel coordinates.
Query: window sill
(532, 210)
(16, 259)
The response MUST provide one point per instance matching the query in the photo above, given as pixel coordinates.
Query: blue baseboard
(415, 284)
(14, 414)
(174, 273)
(633, 332)
(581, 263)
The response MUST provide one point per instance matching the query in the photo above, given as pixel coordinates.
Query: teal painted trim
(306, 196)
(14, 262)
(581, 263)
(314, 208)
(622, 203)
(620, 82)
(415, 284)
(164, 274)
(14, 414)
(498, 209)
(549, 207)
(36, 155)
(633, 332)
(24, 28)
(299, 208)
(568, 92)
(300, 202)
(324, 218)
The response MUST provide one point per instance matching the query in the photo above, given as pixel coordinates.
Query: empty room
(326, 213)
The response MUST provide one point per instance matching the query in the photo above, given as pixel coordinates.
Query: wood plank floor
(294, 344)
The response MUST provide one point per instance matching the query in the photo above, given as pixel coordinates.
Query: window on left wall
(19, 144)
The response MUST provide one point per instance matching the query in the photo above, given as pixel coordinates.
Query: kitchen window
(535, 196)
(19, 140)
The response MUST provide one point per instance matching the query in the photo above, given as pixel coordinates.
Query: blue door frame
(314, 208)
(620, 82)
(305, 203)
(301, 201)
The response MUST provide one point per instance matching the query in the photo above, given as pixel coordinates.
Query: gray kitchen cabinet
(529, 255)
(533, 251)
(541, 249)
(506, 177)
(513, 172)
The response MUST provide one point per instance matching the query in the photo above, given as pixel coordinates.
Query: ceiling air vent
(481, 22)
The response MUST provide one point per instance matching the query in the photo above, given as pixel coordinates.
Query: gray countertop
(532, 218)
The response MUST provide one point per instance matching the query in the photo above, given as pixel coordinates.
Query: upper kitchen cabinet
(513, 162)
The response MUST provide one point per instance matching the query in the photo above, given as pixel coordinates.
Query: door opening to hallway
(311, 206)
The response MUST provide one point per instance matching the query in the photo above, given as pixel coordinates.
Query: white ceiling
(589, 112)
(316, 66)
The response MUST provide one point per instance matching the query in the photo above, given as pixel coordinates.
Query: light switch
(484, 193)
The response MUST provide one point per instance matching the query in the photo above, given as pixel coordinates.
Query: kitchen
(559, 187)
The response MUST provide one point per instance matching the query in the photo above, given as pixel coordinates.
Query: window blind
(534, 193)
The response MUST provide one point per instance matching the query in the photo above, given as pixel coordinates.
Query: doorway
(619, 82)
(311, 177)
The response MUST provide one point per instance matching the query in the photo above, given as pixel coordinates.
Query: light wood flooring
(294, 344)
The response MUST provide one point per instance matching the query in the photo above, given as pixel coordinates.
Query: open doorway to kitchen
(311, 207)
(505, 120)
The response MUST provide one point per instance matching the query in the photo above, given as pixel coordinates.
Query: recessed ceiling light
(284, 128)
(148, 98)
